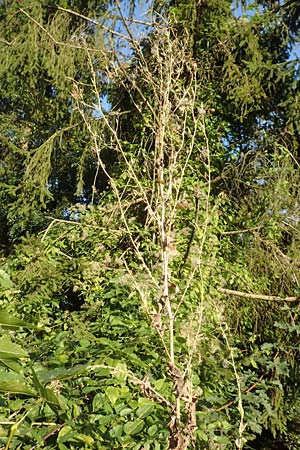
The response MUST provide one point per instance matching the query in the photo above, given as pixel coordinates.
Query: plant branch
(246, 230)
(272, 298)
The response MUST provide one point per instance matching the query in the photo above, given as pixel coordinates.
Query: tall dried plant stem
(171, 157)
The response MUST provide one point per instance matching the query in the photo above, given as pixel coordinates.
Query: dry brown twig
(268, 298)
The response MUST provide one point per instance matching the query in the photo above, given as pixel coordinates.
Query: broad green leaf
(84, 343)
(116, 431)
(134, 427)
(103, 420)
(5, 281)
(102, 371)
(10, 322)
(117, 321)
(152, 431)
(15, 384)
(9, 350)
(11, 364)
(144, 411)
(112, 394)
(98, 401)
(46, 393)
(222, 440)
(60, 373)
(253, 363)
(84, 438)
(120, 373)
(65, 430)
(125, 412)
(142, 401)
(203, 435)
(66, 434)
(62, 446)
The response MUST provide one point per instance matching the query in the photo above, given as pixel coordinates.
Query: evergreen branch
(274, 298)
(95, 22)
(11, 146)
(55, 41)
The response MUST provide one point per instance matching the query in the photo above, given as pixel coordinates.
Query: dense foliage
(149, 225)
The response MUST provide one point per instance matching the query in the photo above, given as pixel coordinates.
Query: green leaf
(84, 438)
(134, 427)
(15, 384)
(9, 350)
(125, 412)
(61, 374)
(152, 431)
(62, 446)
(66, 434)
(253, 363)
(120, 373)
(65, 430)
(98, 401)
(5, 281)
(46, 393)
(144, 411)
(116, 431)
(10, 322)
(11, 364)
(112, 394)
(222, 440)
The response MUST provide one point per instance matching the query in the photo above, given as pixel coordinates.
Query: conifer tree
(44, 149)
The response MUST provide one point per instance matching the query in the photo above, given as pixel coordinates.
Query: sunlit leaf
(7, 320)
(9, 350)
(112, 393)
(134, 427)
(11, 364)
(144, 411)
(46, 393)
(15, 384)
